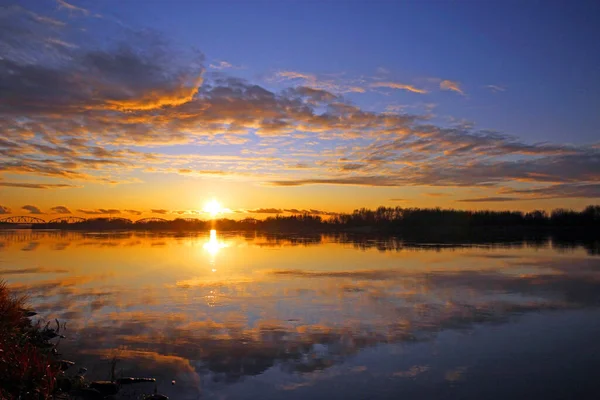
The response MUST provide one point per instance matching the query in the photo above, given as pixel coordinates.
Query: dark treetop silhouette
(385, 220)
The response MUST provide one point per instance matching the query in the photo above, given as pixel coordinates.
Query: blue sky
(490, 103)
(542, 52)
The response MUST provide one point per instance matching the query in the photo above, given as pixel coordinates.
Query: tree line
(382, 219)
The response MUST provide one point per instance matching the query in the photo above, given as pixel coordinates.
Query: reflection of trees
(565, 240)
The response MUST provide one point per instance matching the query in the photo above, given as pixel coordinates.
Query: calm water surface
(245, 316)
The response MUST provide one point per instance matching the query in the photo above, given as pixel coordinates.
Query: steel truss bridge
(67, 220)
(22, 219)
(29, 220)
(150, 220)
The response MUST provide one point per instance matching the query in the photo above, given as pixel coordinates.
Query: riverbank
(31, 367)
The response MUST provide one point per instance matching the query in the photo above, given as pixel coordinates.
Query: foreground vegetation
(30, 364)
(27, 366)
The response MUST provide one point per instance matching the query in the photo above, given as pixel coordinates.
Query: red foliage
(26, 370)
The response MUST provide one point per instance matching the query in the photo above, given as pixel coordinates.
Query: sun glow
(213, 207)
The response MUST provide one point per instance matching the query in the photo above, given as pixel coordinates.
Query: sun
(213, 207)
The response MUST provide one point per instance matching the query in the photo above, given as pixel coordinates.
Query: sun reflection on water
(214, 245)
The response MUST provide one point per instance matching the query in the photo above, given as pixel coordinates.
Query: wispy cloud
(265, 211)
(221, 65)
(61, 43)
(72, 8)
(160, 211)
(32, 209)
(100, 211)
(490, 199)
(401, 86)
(436, 194)
(562, 190)
(452, 86)
(46, 20)
(495, 88)
(311, 80)
(4, 210)
(36, 270)
(133, 212)
(27, 185)
(61, 210)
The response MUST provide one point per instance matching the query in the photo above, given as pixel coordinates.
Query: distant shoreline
(383, 220)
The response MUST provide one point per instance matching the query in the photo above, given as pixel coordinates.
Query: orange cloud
(155, 99)
(451, 85)
(94, 119)
(401, 86)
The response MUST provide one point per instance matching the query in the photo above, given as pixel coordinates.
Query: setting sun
(213, 207)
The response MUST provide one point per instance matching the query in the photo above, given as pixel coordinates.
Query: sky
(156, 108)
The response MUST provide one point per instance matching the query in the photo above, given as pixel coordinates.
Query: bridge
(22, 220)
(29, 220)
(67, 220)
(150, 220)
(119, 219)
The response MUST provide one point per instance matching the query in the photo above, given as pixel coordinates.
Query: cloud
(61, 210)
(401, 86)
(191, 212)
(495, 88)
(352, 166)
(37, 270)
(311, 211)
(311, 80)
(134, 212)
(46, 19)
(451, 85)
(296, 75)
(316, 95)
(266, 211)
(126, 77)
(161, 211)
(100, 211)
(61, 43)
(489, 199)
(399, 200)
(37, 185)
(436, 194)
(32, 209)
(576, 190)
(72, 8)
(223, 65)
(4, 210)
(106, 112)
(357, 181)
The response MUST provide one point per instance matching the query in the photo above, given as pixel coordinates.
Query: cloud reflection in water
(285, 315)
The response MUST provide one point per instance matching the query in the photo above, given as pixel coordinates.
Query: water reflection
(275, 323)
(213, 245)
